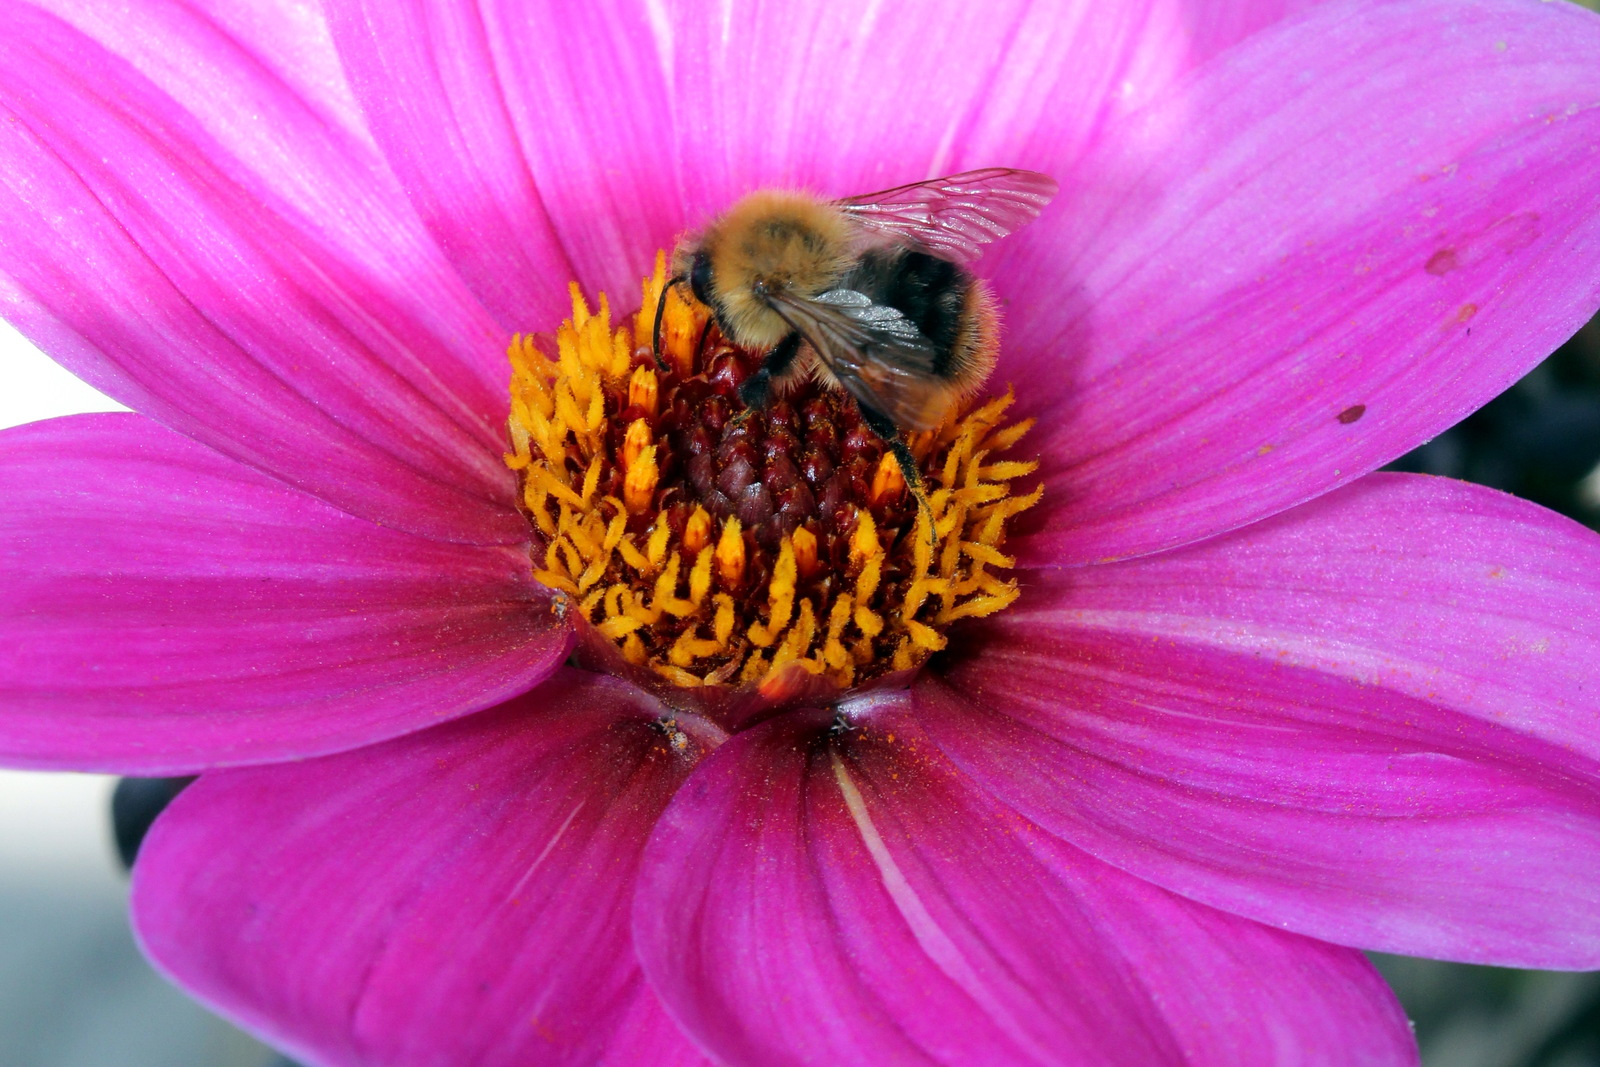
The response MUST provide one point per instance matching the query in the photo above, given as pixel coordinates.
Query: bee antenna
(661, 310)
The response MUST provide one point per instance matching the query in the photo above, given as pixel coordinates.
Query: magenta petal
(209, 54)
(458, 896)
(163, 608)
(1071, 70)
(605, 128)
(1372, 720)
(430, 83)
(580, 138)
(852, 97)
(266, 292)
(1326, 247)
(647, 1037)
(856, 900)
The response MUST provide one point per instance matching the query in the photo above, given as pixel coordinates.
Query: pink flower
(1253, 706)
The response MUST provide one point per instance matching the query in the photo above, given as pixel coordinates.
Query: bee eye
(700, 278)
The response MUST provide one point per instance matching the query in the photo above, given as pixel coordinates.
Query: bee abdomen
(952, 308)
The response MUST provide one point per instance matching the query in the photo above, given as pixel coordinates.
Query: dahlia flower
(510, 752)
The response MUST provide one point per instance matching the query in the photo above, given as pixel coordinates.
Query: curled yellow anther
(639, 484)
(888, 484)
(864, 541)
(635, 441)
(730, 554)
(805, 553)
(697, 531)
(644, 390)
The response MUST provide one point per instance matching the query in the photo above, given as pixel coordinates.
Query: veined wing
(876, 353)
(956, 216)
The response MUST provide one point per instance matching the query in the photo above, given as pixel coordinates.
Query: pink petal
(1372, 720)
(856, 900)
(431, 87)
(1072, 70)
(164, 609)
(557, 138)
(1319, 252)
(266, 292)
(648, 1037)
(192, 49)
(458, 896)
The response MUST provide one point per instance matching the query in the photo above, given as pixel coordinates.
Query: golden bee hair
(977, 341)
(784, 240)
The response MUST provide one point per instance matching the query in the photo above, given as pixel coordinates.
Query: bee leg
(756, 391)
(884, 427)
(700, 345)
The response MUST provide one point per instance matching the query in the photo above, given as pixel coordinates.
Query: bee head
(770, 241)
(700, 277)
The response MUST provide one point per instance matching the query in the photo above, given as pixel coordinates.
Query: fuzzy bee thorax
(774, 241)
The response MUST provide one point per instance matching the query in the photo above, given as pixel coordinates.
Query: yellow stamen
(697, 531)
(656, 548)
(780, 599)
(700, 577)
(730, 555)
(864, 541)
(639, 486)
(643, 390)
(634, 442)
(805, 553)
(888, 484)
(687, 589)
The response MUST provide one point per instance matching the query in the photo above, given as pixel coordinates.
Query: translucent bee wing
(955, 216)
(877, 354)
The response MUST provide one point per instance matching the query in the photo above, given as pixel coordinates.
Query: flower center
(719, 545)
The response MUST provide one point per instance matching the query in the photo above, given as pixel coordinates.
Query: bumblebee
(871, 292)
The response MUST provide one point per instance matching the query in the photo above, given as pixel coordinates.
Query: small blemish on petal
(1506, 236)
(1441, 262)
(1465, 312)
(1352, 413)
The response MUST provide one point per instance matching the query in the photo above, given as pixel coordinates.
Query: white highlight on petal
(947, 139)
(655, 13)
(930, 937)
(934, 941)
(1589, 488)
(559, 834)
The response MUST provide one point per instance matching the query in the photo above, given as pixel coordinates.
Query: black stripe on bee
(929, 291)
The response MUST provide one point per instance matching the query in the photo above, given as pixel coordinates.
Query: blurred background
(74, 991)
(1540, 440)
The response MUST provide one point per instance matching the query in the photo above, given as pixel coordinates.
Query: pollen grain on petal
(719, 546)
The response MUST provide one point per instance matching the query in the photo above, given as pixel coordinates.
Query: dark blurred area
(1469, 1016)
(1540, 440)
(135, 803)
